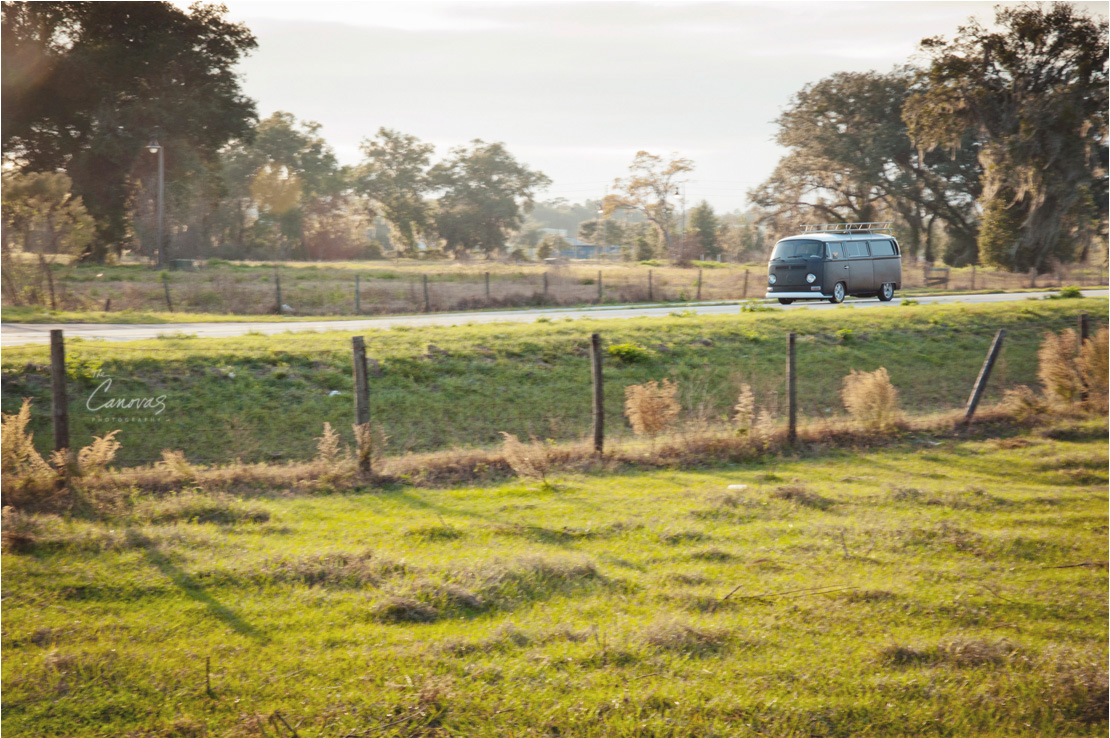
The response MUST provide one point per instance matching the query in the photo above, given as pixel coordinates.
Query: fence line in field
(372, 294)
(266, 437)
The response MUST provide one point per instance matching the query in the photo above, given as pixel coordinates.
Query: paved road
(12, 334)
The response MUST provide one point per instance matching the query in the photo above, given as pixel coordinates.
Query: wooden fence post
(362, 399)
(745, 295)
(58, 390)
(984, 375)
(972, 276)
(599, 287)
(545, 287)
(791, 388)
(358, 297)
(699, 285)
(427, 299)
(277, 290)
(487, 288)
(651, 292)
(599, 395)
(166, 290)
(108, 305)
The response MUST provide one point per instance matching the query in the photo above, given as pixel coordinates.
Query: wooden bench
(936, 276)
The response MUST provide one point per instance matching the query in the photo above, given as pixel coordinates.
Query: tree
(86, 84)
(394, 175)
(551, 245)
(289, 175)
(705, 230)
(1034, 93)
(648, 189)
(485, 195)
(42, 220)
(851, 160)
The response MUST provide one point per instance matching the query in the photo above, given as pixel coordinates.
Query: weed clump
(1024, 404)
(630, 353)
(404, 610)
(871, 399)
(652, 406)
(798, 495)
(683, 638)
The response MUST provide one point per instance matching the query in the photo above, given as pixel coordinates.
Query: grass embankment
(937, 588)
(264, 398)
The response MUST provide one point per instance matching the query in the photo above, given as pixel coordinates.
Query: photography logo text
(123, 408)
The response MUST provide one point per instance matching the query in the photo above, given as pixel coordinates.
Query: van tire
(839, 293)
(785, 301)
(886, 292)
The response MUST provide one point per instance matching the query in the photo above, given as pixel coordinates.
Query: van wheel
(838, 294)
(886, 292)
(785, 301)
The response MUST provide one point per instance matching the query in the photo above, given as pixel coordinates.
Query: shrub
(871, 398)
(651, 407)
(629, 353)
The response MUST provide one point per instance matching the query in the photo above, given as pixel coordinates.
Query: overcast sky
(576, 89)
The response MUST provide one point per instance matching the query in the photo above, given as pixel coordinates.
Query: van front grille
(790, 274)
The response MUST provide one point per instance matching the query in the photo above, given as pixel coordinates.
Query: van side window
(835, 251)
(856, 248)
(882, 248)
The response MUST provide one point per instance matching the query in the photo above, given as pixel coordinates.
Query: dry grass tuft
(95, 458)
(959, 653)
(682, 638)
(404, 610)
(26, 475)
(1024, 404)
(1094, 367)
(871, 399)
(175, 466)
(197, 507)
(744, 413)
(1058, 366)
(798, 495)
(651, 407)
(532, 461)
(327, 447)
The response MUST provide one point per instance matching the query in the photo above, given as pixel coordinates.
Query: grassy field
(224, 290)
(265, 398)
(940, 587)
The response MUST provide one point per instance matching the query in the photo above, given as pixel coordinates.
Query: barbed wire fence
(150, 415)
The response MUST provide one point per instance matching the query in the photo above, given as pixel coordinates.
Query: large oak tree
(86, 85)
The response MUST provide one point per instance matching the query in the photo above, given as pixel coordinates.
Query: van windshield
(797, 249)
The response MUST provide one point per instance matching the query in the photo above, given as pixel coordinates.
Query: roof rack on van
(847, 227)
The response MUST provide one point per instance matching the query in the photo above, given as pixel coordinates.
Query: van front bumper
(797, 295)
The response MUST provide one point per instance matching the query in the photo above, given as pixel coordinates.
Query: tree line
(994, 152)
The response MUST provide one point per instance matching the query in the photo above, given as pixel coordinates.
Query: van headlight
(811, 278)
(771, 279)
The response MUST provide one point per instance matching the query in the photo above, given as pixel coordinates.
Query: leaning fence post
(58, 390)
(427, 300)
(358, 297)
(362, 402)
(984, 375)
(791, 388)
(599, 395)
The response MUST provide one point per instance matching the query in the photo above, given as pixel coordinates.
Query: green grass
(258, 398)
(937, 588)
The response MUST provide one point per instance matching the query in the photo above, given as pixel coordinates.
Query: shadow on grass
(194, 591)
